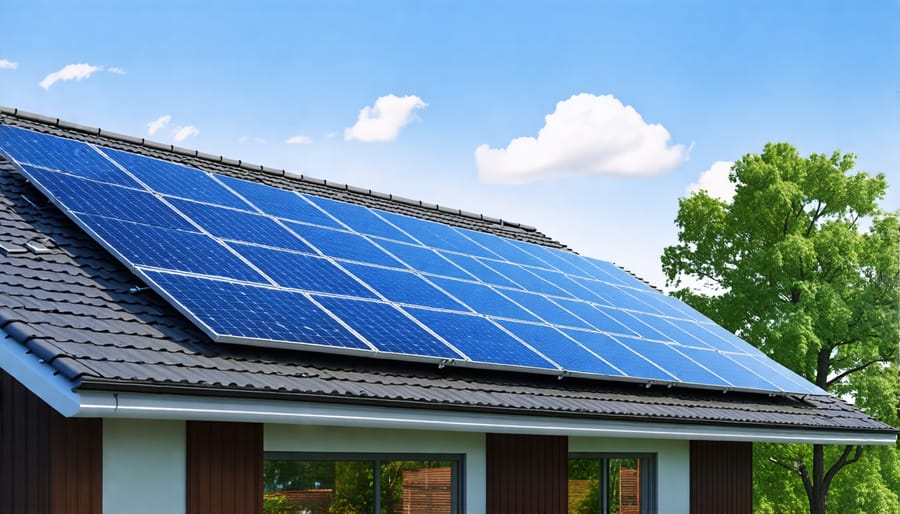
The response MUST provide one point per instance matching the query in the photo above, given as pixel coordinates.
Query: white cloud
(182, 133)
(116, 70)
(69, 72)
(715, 182)
(158, 124)
(585, 135)
(298, 140)
(383, 121)
(8, 65)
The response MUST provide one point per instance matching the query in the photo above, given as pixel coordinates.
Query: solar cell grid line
(633, 365)
(502, 247)
(729, 341)
(482, 340)
(388, 328)
(248, 314)
(544, 308)
(174, 179)
(658, 302)
(156, 247)
(786, 379)
(303, 271)
(738, 375)
(671, 331)
(482, 299)
(280, 203)
(343, 245)
(478, 270)
(404, 287)
(358, 218)
(615, 296)
(568, 353)
(592, 316)
(564, 260)
(566, 283)
(674, 362)
(81, 195)
(524, 278)
(612, 273)
(423, 259)
(635, 325)
(436, 235)
(239, 225)
(23, 146)
(687, 312)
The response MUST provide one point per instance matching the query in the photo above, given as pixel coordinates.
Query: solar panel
(253, 264)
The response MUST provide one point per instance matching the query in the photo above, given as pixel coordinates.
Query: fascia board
(38, 376)
(106, 404)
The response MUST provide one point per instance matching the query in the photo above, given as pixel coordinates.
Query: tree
(803, 264)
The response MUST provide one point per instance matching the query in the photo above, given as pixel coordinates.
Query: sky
(587, 120)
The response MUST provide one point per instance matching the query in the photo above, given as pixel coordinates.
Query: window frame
(649, 477)
(457, 468)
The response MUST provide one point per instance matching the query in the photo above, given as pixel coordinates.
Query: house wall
(527, 473)
(307, 438)
(721, 477)
(144, 466)
(673, 461)
(224, 467)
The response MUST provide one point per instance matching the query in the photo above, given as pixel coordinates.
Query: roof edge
(219, 159)
(38, 376)
(110, 404)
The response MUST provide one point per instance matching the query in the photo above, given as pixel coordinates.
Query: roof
(75, 307)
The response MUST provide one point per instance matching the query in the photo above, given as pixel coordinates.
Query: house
(115, 398)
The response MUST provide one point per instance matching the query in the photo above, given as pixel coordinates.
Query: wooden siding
(721, 477)
(224, 468)
(526, 474)
(49, 464)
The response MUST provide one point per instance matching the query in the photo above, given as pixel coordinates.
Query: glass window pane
(318, 487)
(416, 487)
(584, 486)
(624, 489)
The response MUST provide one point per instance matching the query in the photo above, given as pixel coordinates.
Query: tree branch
(799, 468)
(861, 367)
(841, 462)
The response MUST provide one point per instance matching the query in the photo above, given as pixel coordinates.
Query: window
(361, 483)
(612, 483)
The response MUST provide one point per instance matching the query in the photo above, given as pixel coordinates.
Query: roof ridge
(115, 136)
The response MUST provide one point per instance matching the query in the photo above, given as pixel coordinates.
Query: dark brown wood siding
(224, 468)
(49, 464)
(721, 477)
(526, 474)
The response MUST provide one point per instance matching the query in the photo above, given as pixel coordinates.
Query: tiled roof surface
(76, 307)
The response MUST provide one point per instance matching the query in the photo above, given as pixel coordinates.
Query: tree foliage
(803, 264)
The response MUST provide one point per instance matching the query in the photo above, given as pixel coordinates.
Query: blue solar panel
(302, 271)
(424, 259)
(175, 180)
(262, 314)
(240, 225)
(479, 339)
(278, 202)
(503, 248)
(359, 219)
(525, 279)
(387, 328)
(436, 235)
(615, 353)
(73, 157)
(478, 270)
(547, 297)
(545, 309)
(402, 286)
(483, 299)
(560, 349)
(157, 247)
(89, 197)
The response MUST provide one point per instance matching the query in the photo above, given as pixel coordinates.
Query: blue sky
(706, 82)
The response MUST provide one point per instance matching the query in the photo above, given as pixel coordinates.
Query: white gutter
(150, 406)
(39, 377)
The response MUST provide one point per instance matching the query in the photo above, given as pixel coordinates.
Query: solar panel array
(253, 264)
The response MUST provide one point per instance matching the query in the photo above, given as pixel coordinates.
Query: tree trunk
(817, 485)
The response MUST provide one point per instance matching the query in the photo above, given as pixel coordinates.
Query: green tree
(803, 264)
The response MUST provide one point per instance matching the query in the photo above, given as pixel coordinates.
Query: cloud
(8, 65)
(715, 182)
(116, 70)
(69, 72)
(383, 121)
(158, 124)
(182, 133)
(585, 135)
(298, 140)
